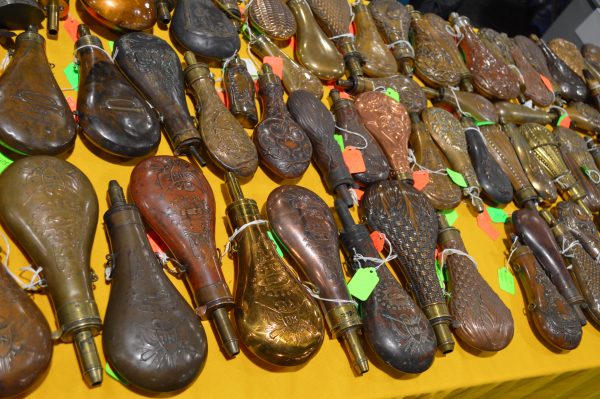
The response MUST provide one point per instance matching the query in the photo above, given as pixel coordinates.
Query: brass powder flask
(144, 308)
(132, 15)
(394, 327)
(45, 125)
(273, 17)
(50, 208)
(55, 10)
(584, 117)
(305, 225)
(480, 318)
(591, 55)
(240, 92)
(19, 14)
(393, 21)
(536, 59)
(518, 114)
(569, 54)
(593, 84)
(465, 103)
(224, 139)
(27, 344)
(277, 319)
(112, 114)
(551, 315)
(177, 202)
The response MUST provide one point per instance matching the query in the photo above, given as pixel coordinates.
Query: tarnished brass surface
(481, 319)
(282, 145)
(26, 346)
(45, 124)
(449, 135)
(240, 92)
(55, 10)
(594, 150)
(112, 114)
(19, 14)
(50, 208)
(177, 202)
(546, 150)
(350, 126)
(273, 17)
(535, 233)
(591, 53)
(295, 77)
(499, 43)
(144, 307)
(536, 58)
(136, 15)
(394, 327)
(278, 321)
(409, 222)
(379, 61)
(393, 21)
(200, 26)
(305, 225)
(537, 175)
(569, 53)
(471, 104)
(440, 191)
(593, 84)
(572, 87)
(503, 152)
(491, 76)
(318, 124)
(552, 317)
(154, 69)
(584, 117)
(388, 122)
(580, 225)
(518, 114)
(225, 140)
(315, 51)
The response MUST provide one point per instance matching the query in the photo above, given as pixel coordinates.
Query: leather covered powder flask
(448, 134)
(50, 208)
(19, 14)
(471, 104)
(387, 120)
(379, 61)
(273, 18)
(177, 202)
(572, 87)
(480, 318)
(409, 222)
(583, 267)
(201, 27)
(318, 124)
(281, 143)
(224, 139)
(553, 318)
(153, 67)
(535, 233)
(240, 92)
(112, 114)
(580, 225)
(569, 54)
(440, 191)
(145, 309)
(394, 327)
(314, 50)
(295, 77)
(350, 126)
(26, 347)
(136, 15)
(277, 319)
(536, 59)
(393, 22)
(45, 124)
(305, 225)
(491, 76)
(584, 117)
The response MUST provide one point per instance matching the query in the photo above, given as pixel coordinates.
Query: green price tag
(4, 162)
(111, 45)
(340, 140)
(363, 283)
(272, 238)
(392, 93)
(72, 74)
(506, 280)
(114, 375)
(440, 274)
(451, 216)
(457, 178)
(497, 215)
(484, 123)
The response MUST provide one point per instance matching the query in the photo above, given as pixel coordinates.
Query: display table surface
(525, 367)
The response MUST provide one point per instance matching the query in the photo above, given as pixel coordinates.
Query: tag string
(451, 251)
(413, 159)
(111, 57)
(355, 134)
(349, 34)
(566, 247)
(458, 107)
(401, 41)
(473, 193)
(36, 282)
(558, 179)
(378, 261)
(317, 296)
(593, 174)
(513, 248)
(237, 231)
(228, 60)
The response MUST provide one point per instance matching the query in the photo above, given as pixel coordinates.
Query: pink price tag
(485, 223)
(156, 243)
(420, 179)
(378, 240)
(71, 25)
(354, 160)
(276, 65)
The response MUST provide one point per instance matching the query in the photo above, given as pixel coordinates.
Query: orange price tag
(343, 94)
(437, 253)
(351, 28)
(276, 64)
(378, 240)
(359, 193)
(354, 160)
(71, 25)
(485, 223)
(420, 179)
(565, 122)
(293, 43)
(72, 103)
(222, 96)
(547, 83)
(156, 243)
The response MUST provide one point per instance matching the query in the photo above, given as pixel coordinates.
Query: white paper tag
(251, 68)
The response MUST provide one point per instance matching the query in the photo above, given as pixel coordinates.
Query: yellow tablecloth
(525, 368)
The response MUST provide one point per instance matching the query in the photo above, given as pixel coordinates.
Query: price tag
(420, 179)
(354, 160)
(72, 103)
(485, 223)
(363, 283)
(340, 140)
(440, 274)
(71, 25)
(484, 123)
(457, 178)
(276, 64)
(222, 95)
(251, 68)
(157, 245)
(547, 83)
(359, 193)
(72, 74)
(114, 375)
(351, 28)
(497, 215)
(506, 280)
(451, 216)
(378, 240)
(293, 43)
(392, 93)
(4, 162)
(528, 104)
(111, 45)
(277, 248)
(564, 120)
